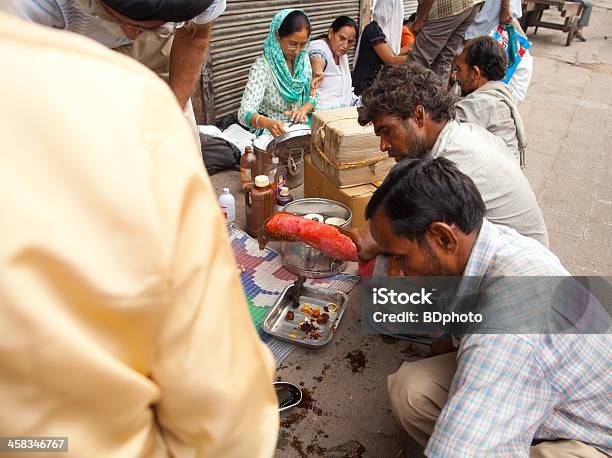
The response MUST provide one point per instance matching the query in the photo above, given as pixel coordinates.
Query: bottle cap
(284, 191)
(225, 190)
(261, 181)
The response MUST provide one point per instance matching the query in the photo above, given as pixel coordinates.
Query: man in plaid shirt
(503, 394)
(439, 28)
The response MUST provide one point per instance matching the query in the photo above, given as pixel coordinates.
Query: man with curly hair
(488, 101)
(414, 116)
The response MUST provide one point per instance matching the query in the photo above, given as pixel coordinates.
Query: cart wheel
(571, 33)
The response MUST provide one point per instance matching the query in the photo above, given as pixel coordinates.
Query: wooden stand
(570, 10)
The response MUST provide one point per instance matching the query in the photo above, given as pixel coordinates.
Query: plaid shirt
(511, 389)
(442, 9)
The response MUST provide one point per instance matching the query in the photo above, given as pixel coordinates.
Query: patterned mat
(264, 278)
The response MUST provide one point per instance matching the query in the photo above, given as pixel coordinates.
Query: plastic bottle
(283, 199)
(259, 204)
(228, 205)
(248, 167)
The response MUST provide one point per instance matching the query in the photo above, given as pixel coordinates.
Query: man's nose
(384, 145)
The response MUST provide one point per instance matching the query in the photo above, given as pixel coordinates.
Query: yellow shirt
(123, 322)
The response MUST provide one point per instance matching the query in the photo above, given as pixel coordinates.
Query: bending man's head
(425, 217)
(482, 60)
(404, 103)
(148, 11)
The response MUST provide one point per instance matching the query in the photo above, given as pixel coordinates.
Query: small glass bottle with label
(248, 168)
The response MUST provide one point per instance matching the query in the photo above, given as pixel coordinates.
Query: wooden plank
(365, 13)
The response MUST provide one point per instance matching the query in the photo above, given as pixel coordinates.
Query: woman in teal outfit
(279, 86)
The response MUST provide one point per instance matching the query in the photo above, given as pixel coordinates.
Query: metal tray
(278, 326)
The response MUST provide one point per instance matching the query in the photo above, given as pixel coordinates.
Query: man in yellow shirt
(124, 325)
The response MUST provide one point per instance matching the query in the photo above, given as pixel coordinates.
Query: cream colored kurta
(123, 322)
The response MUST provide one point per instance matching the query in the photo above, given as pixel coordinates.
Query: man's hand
(505, 16)
(186, 59)
(367, 248)
(443, 346)
(274, 126)
(416, 27)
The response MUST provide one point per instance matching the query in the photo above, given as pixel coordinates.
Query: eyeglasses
(293, 46)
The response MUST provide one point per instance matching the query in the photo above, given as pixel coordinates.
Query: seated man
(500, 391)
(124, 324)
(486, 100)
(414, 117)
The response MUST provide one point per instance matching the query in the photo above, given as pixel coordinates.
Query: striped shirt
(82, 17)
(512, 389)
(442, 9)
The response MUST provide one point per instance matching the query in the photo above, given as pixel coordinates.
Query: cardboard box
(372, 171)
(316, 184)
(338, 134)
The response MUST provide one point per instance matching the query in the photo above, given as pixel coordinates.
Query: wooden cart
(570, 10)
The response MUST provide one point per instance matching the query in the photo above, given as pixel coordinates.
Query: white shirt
(505, 191)
(336, 91)
(80, 16)
(488, 18)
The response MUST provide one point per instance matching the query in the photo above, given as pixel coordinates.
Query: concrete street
(568, 115)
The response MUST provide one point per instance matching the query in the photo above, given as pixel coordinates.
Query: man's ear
(444, 237)
(419, 115)
(476, 73)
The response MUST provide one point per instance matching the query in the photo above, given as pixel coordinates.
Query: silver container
(276, 323)
(301, 259)
(290, 149)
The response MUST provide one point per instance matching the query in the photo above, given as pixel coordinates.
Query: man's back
(534, 385)
(123, 320)
(491, 112)
(497, 175)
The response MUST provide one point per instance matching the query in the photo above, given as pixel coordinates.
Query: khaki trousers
(153, 51)
(438, 41)
(419, 390)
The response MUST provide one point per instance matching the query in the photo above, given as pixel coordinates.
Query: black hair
(342, 21)
(398, 89)
(419, 192)
(159, 10)
(410, 19)
(294, 22)
(488, 55)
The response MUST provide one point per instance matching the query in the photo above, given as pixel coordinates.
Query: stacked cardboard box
(347, 153)
(346, 164)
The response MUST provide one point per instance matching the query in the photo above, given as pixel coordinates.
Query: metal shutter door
(238, 38)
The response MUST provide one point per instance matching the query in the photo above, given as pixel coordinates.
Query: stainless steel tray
(277, 325)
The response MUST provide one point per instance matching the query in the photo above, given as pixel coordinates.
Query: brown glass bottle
(259, 204)
(248, 167)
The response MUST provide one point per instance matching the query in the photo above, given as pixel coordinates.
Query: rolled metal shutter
(410, 6)
(238, 37)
